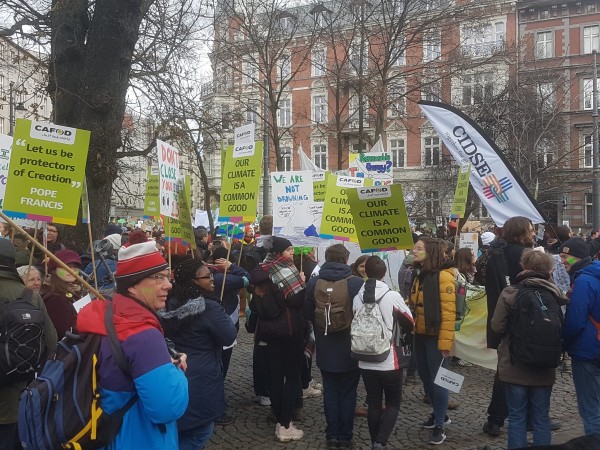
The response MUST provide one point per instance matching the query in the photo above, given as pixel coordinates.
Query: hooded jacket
(200, 328)
(579, 334)
(236, 279)
(392, 308)
(333, 350)
(161, 387)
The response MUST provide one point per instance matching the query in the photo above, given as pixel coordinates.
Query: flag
(493, 178)
(378, 147)
(305, 162)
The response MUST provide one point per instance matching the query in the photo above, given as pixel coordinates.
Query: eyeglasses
(209, 277)
(52, 231)
(160, 279)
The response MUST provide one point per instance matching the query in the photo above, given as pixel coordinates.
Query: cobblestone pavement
(252, 430)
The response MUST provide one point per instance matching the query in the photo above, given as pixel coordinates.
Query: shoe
(555, 424)
(290, 433)
(378, 445)
(463, 363)
(344, 444)
(263, 400)
(310, 392)
(298, 414)
(437, 436)
(491, 429)
(224, 420)
(316, 385)
(430, 423)
(452, 405)
(360, 411)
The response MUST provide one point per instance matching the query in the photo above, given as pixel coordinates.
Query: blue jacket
(580, 334)
(333, 350)
(236, 279)
(200, 328)
(161, 387)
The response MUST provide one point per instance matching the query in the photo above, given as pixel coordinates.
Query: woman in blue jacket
(198, 327)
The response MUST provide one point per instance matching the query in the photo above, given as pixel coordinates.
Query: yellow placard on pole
(337, 222)
(460, 193)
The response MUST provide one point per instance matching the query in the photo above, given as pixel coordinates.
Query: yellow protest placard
(460, 193)
(337, 222)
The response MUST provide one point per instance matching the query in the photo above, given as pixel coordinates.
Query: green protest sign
(319, 185)
(337, 222)
(181, 229)
(240, 182)
(151, 205)
(46, 172)
(380, 218)
(460, 193)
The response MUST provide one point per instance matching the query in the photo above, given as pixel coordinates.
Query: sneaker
(263, 400)
(379, 445)
(289, 434)
(332, 443)
(344, 444)
(224, 420)
(316, 385)
(430, 423)
(437, 436)
(491, 429)
(311, 392)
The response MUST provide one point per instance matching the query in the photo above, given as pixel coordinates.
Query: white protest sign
(243, 144)
(449, 380)
(168, 166)
(5, 147)
(79, 304)
(292, 193)
(201, 218)
(469, 240)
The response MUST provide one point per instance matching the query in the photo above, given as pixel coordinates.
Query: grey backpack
(371, 338)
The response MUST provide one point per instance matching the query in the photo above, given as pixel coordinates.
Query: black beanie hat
(7, 254)
(112, 228)
(576, 247)
(280, 244)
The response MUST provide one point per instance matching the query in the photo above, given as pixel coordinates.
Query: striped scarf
(283, 274)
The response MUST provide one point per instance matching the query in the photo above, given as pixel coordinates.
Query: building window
(396, 101)
(432, 47)
(483, 41)
(588, 92)
(355, 105)
(359, 56)
(431, 151)
(397, 152)
(284, 114)
(431, 91)
(546, 95)
(588, 152)
(359, 147)
(320, 108)
(591, 38)
(400, 58)
(543, 45)
(2, 131)
(320, 156)
(285, 23)
(590, 8)
(477, 88)
(318, 62)
(545, 153)
(285, 67)
(286, 157)
(544, 14)
(432, 203)
(589, 205)
(249, 71)
(251, 113)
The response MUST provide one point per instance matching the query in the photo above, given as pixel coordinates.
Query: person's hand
(223, 263)
(181, 361)
(445, 353)
(302, 277)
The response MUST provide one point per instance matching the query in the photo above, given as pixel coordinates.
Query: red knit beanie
(138, 259)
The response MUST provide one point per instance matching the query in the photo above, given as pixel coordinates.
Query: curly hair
(184, 288)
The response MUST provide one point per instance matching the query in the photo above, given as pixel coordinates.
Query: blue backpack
(60, 408)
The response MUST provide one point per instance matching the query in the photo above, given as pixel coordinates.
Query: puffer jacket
(448, 309)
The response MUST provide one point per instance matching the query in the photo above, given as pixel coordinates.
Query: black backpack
(60, 408)
(535, 328)
(266, 301)
(22, 338)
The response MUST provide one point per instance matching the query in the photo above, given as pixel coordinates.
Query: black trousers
(377, 383)
(498, 409)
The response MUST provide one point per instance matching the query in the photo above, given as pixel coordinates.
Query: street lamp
(12, 108)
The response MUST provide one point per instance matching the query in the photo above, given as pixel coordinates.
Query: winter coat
(11, 287)
(511, 371)
(333, 350)
(495, 280)
(448, 309)
(236, 279)
(162, 387)
(393, 308)
(405, 276)
(579, 333)
(200, 328)
(61, 311)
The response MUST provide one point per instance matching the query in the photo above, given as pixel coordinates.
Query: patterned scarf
(284, 274)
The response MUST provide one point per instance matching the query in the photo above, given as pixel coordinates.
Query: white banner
(168, 166)
(5, 147)
(497, 185)
(291, 195)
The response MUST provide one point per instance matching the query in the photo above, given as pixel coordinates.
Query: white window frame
(544, 44)
(320, 154)
(546, 156)
(397, 151)
(432, 47)
(318, 61)
(587, 93)
(432, 204)
(401, 60)
(284, 112)
(432, 146)
(252, 113)
(588, 204)
(591, 38)
(477, 88)
(356, 64)
(396, 98)
(319, 109)
(484, 41)
(2, 130)
(546, 93)
(587, 156)
(353, 108)
(284, 66)
(249, 71)
(287, 156)
(431, 91)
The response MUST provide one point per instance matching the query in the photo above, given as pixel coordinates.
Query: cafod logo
(495, 188)
(52, 132)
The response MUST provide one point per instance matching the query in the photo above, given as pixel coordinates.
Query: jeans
(377, 383)
(586, 378)
(524, 401)
(285, 358)
(497, 410)
(429, 359)
(8, 436)
(196, 438)
(339, 401)
(260, 370)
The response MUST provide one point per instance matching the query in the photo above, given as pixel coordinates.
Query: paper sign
(338, 222)
(240, 182)
(469, 240)
(180, 230)
(460, 193)
(151, 208)
(201, 218)
(243, 144)
(291, 193)
(79, 304)
(46, 172)
(380, 218)
(168, 173)
(374, 165)
(5, 145)
(319, 185)
(449, 380)
(540, 232)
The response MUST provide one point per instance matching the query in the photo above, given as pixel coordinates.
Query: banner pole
(225, 272)
(168, 222)
(50, 255)
(92, 250)
(35, 230)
